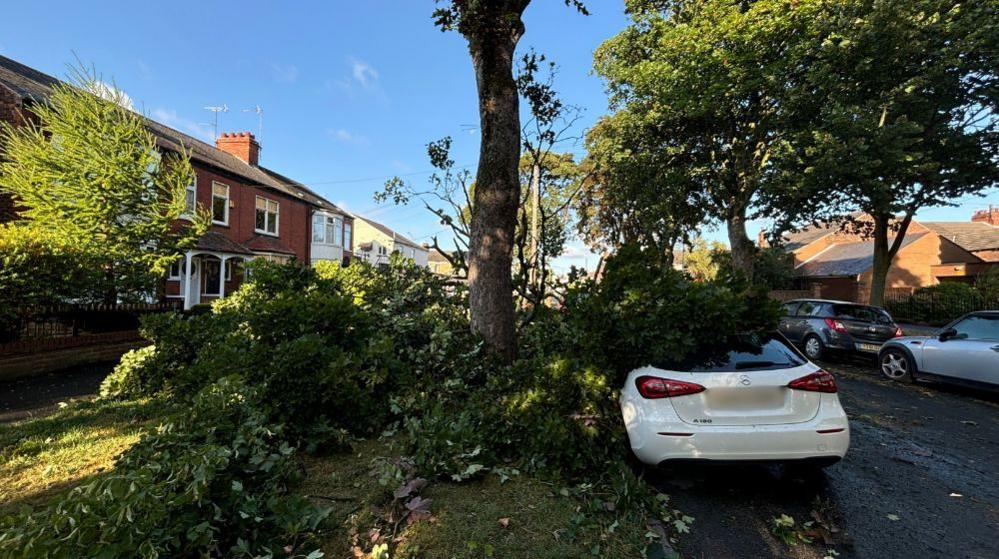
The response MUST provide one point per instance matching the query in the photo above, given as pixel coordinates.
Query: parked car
(758, 399)
(965, 351)
(819, 326)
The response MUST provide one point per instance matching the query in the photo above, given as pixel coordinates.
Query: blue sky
(351, 91)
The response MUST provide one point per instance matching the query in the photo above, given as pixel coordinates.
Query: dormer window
(267, 216)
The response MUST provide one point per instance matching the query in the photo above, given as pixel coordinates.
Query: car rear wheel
(814, 347)
(896, 365)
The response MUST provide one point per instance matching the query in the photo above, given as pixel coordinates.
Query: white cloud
(346, 136)
(284, 74)
(170, 118)
(362, 72)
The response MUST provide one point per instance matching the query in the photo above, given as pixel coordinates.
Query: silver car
(965, 351)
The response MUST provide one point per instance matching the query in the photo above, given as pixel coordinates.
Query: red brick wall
(10, 112)
(293, 221)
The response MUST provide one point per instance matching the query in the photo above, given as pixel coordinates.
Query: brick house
(838, 264)
(256, 212)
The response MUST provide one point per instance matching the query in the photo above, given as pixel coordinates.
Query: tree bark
(743, 249)
(884, 254)
(497, 190)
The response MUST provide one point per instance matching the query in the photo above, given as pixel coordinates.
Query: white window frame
(179, 263)
(321, 238)
(228, 191)
(189, 213)
(267, 216)
(348, 232)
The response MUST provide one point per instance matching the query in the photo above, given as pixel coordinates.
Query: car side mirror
(947, 334)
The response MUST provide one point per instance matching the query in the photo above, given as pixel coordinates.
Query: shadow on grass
(41, 457)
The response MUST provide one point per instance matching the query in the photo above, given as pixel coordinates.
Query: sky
(351, 91)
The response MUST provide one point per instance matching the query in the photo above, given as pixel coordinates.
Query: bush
(131, 374)
(211, 481)
(937, 304)
(39, 268)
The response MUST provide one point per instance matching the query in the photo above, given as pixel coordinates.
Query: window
(741, 353)
(318, 228)
(327, 229)
(176, 269)
(337, 231)
(809, 308)
(346, 235)
(267, 216)
(191, 198)
(789, 308)
(220, 203)
(978, 327)
(862, 313)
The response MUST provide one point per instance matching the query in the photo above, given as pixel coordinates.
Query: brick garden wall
(33, 364)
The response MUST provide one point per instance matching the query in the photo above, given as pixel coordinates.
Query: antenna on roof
(223, 109)
(260, 115)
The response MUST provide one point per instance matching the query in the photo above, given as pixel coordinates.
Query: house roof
(969, 235)
(804, 237)
(217, 242)
(389, 232)
(846, 259)
(266, 243)
(36, 86)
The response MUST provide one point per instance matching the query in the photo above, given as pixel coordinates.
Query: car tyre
(896, 365)
(814, 348)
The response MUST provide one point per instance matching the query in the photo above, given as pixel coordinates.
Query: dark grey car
(819, 326)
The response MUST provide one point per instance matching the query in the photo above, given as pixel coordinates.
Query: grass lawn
(42, 456)
(466, 520)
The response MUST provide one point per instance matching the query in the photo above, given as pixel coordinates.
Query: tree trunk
(497, 192)
(884, 254)
(743, 249)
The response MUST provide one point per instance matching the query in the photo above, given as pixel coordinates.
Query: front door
(212, 271)
(195, 281)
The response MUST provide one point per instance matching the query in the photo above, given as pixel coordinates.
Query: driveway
(921, 479)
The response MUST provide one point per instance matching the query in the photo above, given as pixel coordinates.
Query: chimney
(990, 216)
(241, 144)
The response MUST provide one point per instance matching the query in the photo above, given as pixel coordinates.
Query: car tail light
(819, 381)
(655, 387)
(836, 325)
(898, 332)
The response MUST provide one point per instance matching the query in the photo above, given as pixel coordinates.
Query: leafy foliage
(211, 481)
(38, 268)
(87, 169)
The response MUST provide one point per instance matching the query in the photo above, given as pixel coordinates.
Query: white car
(758, 400)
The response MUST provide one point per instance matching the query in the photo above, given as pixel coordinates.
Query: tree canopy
(88, 170)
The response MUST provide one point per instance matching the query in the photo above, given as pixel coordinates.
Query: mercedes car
(964, 352)
(757, 399)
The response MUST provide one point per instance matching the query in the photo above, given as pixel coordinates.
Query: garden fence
(30, 329)
(935, 308)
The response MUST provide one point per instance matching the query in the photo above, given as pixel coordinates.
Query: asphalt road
(34, 396)
(921, 479)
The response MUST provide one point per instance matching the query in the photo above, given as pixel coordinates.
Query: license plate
(738, 399)
(870, 348)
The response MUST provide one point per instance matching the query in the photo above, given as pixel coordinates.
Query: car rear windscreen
(744, 353)
(862, 313)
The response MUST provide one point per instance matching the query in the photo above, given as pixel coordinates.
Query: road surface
(921, 479)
